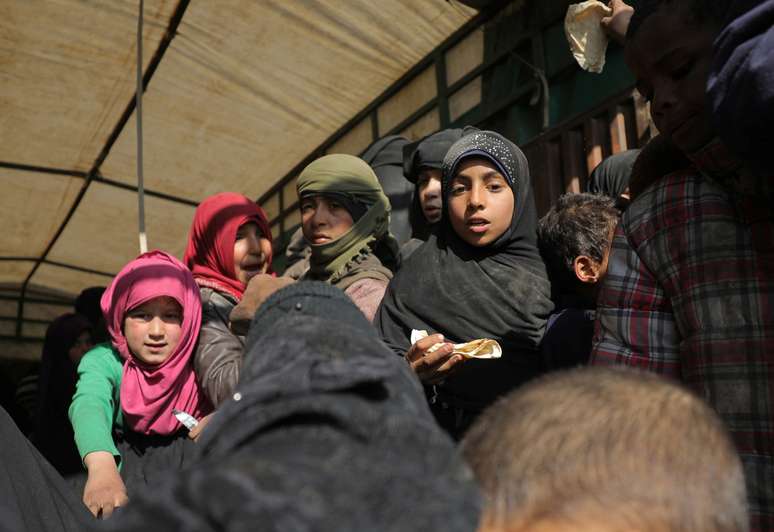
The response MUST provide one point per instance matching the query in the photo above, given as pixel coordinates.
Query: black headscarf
(499, 291)
(385, 156)
(611, 176)
(327, 431)
(87, 304)
(56, 386)
(427, 153)
(430, 151)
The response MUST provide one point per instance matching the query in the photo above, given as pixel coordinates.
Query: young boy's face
(670, 56)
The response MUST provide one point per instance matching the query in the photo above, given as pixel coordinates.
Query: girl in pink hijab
(128, 389)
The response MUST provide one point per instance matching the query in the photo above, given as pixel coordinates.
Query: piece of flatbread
(588, 42)
(480, 349)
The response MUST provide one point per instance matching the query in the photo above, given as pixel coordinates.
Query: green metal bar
(441, 89)
(374, 125)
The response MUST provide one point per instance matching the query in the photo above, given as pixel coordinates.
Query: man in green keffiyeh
(351, 260)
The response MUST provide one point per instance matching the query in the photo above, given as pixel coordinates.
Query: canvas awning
(238, 93)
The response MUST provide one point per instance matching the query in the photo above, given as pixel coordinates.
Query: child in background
(422, 163)
(574, 239)
(127, 390)
(229, 243)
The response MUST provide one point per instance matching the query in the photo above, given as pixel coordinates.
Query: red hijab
(149, 393)
(210, 251)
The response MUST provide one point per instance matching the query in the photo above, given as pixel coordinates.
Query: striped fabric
(690, 294)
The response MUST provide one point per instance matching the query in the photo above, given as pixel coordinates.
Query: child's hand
(104, 490)
(258, 290)
(195, 432)
(432, 368)
(616, 24)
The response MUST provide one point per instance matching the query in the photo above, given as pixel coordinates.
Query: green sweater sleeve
(95, 408)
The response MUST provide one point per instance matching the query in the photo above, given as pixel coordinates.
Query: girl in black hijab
(422, 164)
(479, 275)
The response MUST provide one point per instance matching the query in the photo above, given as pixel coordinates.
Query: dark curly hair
(577, 224)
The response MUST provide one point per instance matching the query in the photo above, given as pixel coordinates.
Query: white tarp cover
(245, 90)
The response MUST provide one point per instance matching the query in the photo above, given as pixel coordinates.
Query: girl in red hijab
(229, 243)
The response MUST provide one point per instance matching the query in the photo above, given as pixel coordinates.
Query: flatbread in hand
(588, 42)
(481, 349)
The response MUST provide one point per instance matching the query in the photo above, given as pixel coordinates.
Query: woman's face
(252, 252)
(480, 202)
(429, 188)
(153, 329)
(323, 219)
(79, 348)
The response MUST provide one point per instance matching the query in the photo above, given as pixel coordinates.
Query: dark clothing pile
(327, 431)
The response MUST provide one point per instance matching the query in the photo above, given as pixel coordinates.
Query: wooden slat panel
(627, 108)
(540, 174)
(562, 158)
(618, 142)
(572, 157)
(545, 163)
(595, 141)
(554, 166)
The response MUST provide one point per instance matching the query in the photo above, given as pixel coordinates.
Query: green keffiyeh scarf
(352, 177)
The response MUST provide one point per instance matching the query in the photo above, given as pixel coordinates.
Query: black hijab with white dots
(520, 240)
(499, 291)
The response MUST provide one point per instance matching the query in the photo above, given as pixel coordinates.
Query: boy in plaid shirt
(690, 286)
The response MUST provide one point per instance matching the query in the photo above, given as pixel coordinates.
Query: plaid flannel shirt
(690, 294)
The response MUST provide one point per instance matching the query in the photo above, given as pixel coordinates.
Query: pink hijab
(149, 393)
